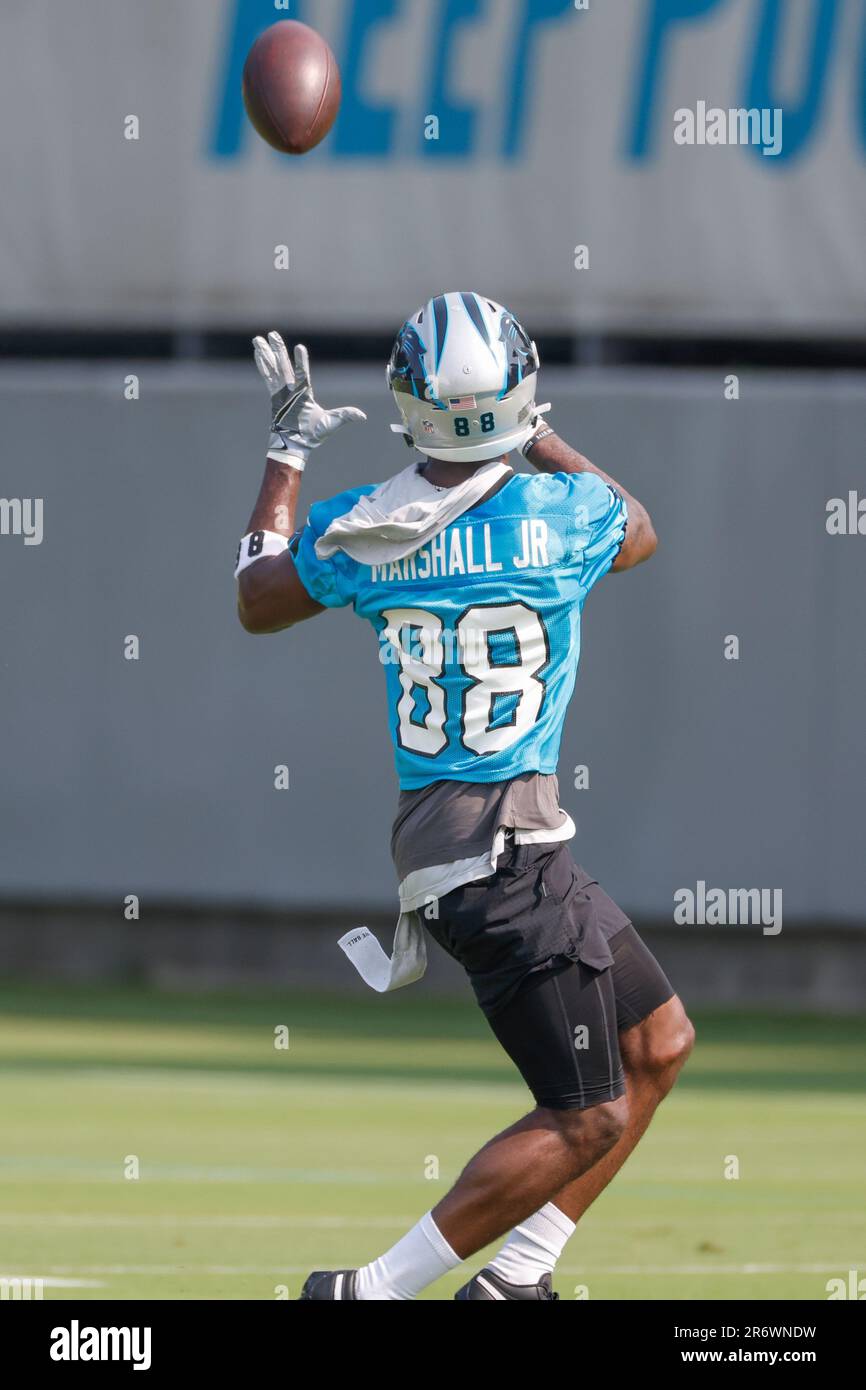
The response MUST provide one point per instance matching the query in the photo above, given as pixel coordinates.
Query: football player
(474, 577)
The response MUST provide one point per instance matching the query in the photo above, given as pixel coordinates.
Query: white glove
(298, 422)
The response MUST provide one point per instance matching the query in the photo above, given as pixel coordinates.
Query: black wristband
(536, 439)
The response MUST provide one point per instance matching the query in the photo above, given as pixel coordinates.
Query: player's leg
(653, 1053)
(581, 1111)
(506, 1181)
(655, 1039)
(556, 1018)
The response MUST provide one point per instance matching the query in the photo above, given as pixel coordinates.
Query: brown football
(291, 86)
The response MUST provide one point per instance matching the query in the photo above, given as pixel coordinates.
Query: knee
(682, 1042)
(591, 1133)
(608, 1123)
(665, 1050)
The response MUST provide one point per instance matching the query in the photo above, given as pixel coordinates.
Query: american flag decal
(461, 402)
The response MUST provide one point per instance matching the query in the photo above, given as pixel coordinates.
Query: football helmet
(463, 374)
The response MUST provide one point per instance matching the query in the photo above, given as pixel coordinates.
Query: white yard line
(838, 1267)
(217, 1221)
(324, 1223)
(42, 1170)
(49, 1281)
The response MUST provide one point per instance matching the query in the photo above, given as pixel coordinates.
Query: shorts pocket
(576, 896)
(560, 877)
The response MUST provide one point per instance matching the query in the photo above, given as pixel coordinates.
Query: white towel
(406, 963)
(400, 515)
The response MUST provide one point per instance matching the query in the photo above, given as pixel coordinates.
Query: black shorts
(558, 969)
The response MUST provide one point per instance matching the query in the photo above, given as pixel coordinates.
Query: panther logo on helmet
(407, 359)
(518, 346)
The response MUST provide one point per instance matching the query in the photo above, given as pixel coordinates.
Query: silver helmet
(463, 373)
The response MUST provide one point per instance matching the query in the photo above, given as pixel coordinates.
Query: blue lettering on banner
(369, 130)
(663, 18)
(457, 124)
(861, 90)
(666, 18)
(366, 131)
(800, 117)
(363, 131)
(535, 12)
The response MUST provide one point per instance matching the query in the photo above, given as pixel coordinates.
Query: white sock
(422, 1256)
(533, 1247)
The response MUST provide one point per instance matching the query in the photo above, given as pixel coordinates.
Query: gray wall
(819, 969)
(156, 777)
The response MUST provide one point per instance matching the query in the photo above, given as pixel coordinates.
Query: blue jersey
(479, 629)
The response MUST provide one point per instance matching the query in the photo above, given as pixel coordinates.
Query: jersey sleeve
(332, 581)
(600, 519)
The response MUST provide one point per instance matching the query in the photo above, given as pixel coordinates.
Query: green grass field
(257, 1164)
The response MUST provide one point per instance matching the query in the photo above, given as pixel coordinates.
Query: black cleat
(488, 1284)
(329, 1286)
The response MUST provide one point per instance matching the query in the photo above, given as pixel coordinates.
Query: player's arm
(271, 596)
(550, 454)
